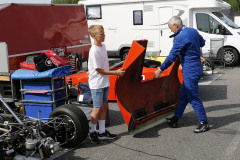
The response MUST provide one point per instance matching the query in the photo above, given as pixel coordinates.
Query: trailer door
(165, 13)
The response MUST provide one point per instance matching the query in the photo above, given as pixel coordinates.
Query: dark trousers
(189, 94)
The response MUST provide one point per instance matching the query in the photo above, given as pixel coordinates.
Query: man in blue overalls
(186, 45)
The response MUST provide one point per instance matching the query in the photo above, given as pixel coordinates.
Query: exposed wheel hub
(69, 128)
(206, 66)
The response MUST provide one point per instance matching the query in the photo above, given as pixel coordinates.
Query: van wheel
(207, 64)
(230, 57)
(71, 125)
(124, 54)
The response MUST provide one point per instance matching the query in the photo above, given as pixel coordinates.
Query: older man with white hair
(186, 46)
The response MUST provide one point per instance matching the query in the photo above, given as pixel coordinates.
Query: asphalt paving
(220, 96)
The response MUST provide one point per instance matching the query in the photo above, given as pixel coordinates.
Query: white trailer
(128, 20)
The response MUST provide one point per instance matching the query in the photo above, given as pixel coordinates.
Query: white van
(128, 20)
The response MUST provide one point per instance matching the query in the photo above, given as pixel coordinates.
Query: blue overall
(186, 45)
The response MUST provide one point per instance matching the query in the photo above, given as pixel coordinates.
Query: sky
(26, 1)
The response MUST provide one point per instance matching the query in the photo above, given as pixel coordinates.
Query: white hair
(177, 20)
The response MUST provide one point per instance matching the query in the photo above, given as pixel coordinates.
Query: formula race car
(24, 137)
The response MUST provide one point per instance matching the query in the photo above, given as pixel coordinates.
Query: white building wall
(237, 20)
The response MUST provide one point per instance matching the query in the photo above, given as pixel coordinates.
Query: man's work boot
(202, 127)
(172, 122)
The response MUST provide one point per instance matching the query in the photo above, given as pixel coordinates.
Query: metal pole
(10, 110)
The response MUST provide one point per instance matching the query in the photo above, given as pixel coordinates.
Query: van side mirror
(221, 29)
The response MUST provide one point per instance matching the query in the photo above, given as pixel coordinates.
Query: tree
(235, 5)
(65, 1)
(238, 2)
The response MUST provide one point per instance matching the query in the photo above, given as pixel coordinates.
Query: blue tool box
(41, 96)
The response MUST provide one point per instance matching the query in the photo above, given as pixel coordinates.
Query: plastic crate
(47, 96)
(42, 85)
(31, 109)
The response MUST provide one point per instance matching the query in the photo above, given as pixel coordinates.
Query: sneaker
(172, 122)
(94, 137)
(107, 135)
(202, 127)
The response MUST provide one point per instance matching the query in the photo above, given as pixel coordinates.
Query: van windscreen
(225, 19)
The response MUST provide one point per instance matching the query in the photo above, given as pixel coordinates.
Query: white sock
(93, 128)
(101, 126)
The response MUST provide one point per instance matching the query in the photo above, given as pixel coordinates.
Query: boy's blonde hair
(93, 29)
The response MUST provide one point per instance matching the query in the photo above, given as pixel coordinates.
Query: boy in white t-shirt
(98, 67)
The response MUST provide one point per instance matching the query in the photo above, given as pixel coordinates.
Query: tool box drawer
(42, 85)
(43, 96)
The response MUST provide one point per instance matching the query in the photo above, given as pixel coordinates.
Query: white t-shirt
(98, 58)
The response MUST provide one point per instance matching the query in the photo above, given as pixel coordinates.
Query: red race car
(149, 67)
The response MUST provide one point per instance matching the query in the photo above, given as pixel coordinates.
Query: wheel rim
(67, 130)
(228, 57)
(125, 55)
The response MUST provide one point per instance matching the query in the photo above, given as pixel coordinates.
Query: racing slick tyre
(207, 64)
(124, 54)
(73, 126)
(230, 57)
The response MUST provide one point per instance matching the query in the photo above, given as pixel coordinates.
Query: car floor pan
(141, 101)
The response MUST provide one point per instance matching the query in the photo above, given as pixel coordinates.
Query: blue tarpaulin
(52, 73)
